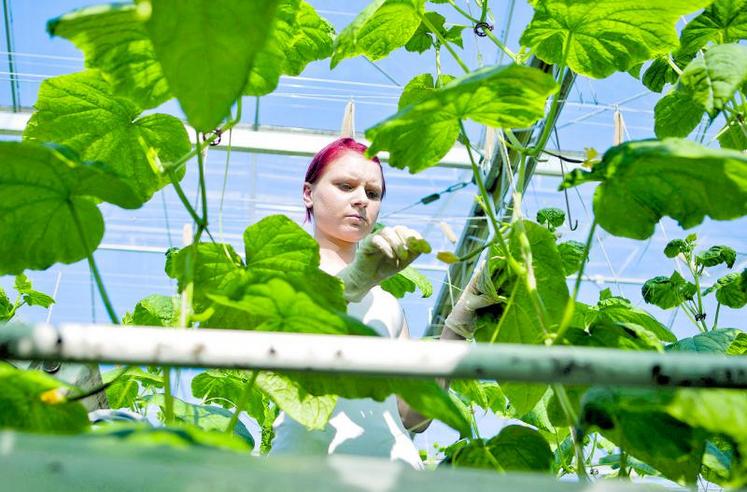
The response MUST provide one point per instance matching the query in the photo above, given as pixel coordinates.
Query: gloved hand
(379, 256)
(478, 293)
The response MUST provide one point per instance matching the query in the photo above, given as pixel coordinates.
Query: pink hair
(331, 152)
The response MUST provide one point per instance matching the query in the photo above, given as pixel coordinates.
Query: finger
(413, 241)
(395, 241)
(381, 244)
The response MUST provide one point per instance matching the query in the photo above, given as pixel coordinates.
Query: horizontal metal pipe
(367, 355)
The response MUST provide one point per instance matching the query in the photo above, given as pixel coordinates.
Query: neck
(334, 254)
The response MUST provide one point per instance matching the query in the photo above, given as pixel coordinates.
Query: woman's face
(346, 198)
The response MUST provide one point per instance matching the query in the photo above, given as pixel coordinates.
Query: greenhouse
(387, 245)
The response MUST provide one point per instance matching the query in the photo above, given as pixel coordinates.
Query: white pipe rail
(367, 355)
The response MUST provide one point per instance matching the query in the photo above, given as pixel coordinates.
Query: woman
(342, 193)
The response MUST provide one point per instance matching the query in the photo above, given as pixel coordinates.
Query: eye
(345, 187)
(373, 195)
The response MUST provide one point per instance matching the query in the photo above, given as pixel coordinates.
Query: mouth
(356, 216)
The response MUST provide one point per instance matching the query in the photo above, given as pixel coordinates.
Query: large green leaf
(676, 115)
(123, 392)
(113, 39)
(724, 21)
(623, 336)
(206, 50)
(271, 303)
(619, 310)
(309, 410)
(716, 341)
(214, 265)
(485, 394)
(597, 38)
(637, 421)
(6, 306)
(80, 111)
(668, 292)
(716, 255)
(45, 196)
(383, 26)
(155, 310)
(572, 255)
(731, 289)
(24, 409)
(515, 448)
(299, 36)
(711, 79)
(733, 135)
(178, 435)
(424, 396)
(519, 322)
(407, 280)
(421, 133)
(30, 296)
(643, 181)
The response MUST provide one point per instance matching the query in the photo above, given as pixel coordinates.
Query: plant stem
(570, 307)
(486, 197)
(168, 398)
(203, 191)
(715, 320)
(444, 42)
(500, 45)
(550, 118)
(94, 269)
(243, 399)
(572, 418)
(183, 198)
(696, 277)
(464, 14)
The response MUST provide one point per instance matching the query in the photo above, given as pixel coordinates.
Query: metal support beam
(368, 356)
(287, 141)
(476, 233)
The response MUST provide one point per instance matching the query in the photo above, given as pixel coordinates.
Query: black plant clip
(480, 27)
(217, 132)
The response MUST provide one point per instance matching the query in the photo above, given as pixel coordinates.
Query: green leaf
(215, 265)
(636, 420)
(731, 289)
(114, 40)
(623, 336)
(716, 255)
(383, 26)
(659, 74)
(80, 111)
(423, 38)
(619, 310)
(178, 435)
(424, 396)
(486, 394)
(44, 195)
(30, 296)
(716, 341)
(210, 420)
(422, 132)
(311, 411)
(125, 390)
(597, 38)
(24, 409)
(6, 306)
(552, 217)
(406, 281)
(515, 448)
(676, 115)
(224, 387)
(206, 51)
(711, 79)
(523, 396)
(724, 21)
(519, 322)
(273, 304)
(668, 292)
(643, 181)
(732, 136)
(156, 310)
(298, 37)
(572, 255)
(677, 246)
(420, 88)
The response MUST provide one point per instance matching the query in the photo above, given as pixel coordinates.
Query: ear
(308, 201)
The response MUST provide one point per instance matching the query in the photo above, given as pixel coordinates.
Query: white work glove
(478, 293)
(379, 256)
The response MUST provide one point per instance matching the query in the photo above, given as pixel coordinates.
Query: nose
(360, 198)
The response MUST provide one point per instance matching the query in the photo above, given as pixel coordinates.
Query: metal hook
(480, 27)
(573, 225)
(217, 132)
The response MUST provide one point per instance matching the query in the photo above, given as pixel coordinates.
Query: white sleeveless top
(362, 426)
